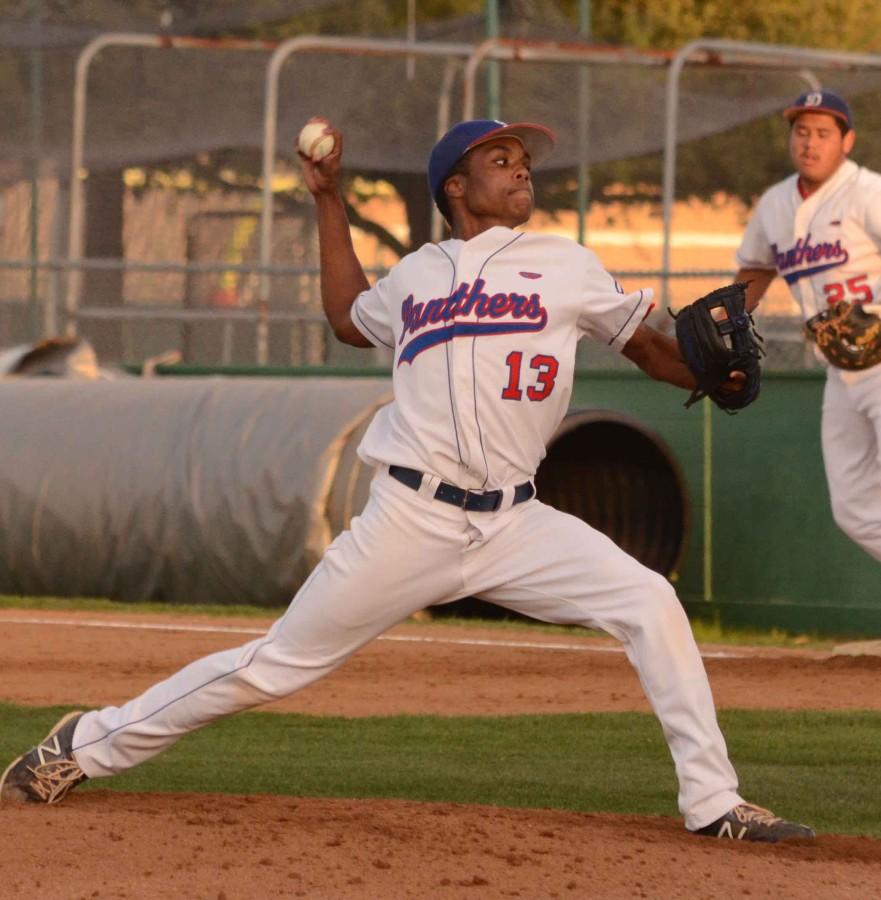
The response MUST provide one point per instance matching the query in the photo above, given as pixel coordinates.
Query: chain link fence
(170, 256)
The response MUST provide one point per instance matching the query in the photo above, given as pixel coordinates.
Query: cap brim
(538, 140)
(792, 112)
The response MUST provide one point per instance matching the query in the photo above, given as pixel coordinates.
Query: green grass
(821, 768)
(97, 604)
(704, 632)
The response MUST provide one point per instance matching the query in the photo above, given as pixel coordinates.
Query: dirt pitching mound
(109, 844)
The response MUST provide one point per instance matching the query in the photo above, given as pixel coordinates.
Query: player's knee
(659, 600)
(841, 515)
(660, 589)
(857, 527)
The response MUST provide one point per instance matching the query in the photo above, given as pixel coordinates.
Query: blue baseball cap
(538, 141)
(823, 102)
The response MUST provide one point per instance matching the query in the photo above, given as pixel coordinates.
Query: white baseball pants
(851, 435)
(407, 551)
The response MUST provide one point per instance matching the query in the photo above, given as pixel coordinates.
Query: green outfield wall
(769, 555)
(776, 558)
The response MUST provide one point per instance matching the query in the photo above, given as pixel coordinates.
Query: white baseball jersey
(827, 246)
(484, 334)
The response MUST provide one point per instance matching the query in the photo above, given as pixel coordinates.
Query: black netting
(148, 105)
(179, 130)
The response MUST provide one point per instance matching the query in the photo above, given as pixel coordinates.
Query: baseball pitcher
(483, 329)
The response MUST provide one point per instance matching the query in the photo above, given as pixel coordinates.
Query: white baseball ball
(313, 142)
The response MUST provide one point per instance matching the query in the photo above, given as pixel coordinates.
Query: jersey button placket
(462, 375)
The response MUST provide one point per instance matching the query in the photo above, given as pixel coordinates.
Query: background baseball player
(483, 328)
(820, 229)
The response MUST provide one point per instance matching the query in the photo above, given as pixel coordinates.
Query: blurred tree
(852, 25)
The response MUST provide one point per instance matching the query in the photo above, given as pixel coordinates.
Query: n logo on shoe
(54, 748)
(726, 831)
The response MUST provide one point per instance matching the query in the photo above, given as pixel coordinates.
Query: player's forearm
(658, 356)
(666, 364)
(757, 283)
(342, 276)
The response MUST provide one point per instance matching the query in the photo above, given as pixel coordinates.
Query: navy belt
(472, 501)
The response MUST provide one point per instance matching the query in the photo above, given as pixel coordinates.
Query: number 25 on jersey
(855, 286)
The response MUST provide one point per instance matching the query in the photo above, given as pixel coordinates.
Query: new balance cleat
(46, 772)
(748, 822)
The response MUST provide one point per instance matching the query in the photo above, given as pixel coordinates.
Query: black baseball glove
(717, 336)
(848, 336)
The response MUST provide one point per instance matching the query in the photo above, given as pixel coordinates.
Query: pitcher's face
(496, 187)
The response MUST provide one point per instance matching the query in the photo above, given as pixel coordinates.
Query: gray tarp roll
(205, 490)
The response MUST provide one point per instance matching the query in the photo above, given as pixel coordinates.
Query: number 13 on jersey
(545, 367)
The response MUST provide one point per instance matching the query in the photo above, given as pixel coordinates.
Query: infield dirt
(111, 844)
